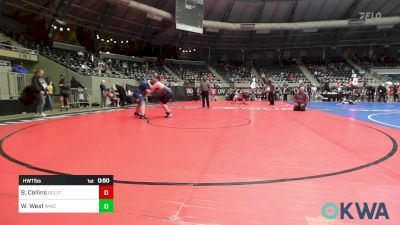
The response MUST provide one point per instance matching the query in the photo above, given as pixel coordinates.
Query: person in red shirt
(300, 100)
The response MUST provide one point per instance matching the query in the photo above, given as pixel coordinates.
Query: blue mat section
(385, 114)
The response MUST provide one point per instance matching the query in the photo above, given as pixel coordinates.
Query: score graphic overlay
(66, 194)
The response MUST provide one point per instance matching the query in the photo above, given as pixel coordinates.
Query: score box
(66, 194)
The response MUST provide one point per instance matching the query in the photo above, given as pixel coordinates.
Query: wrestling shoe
(143, 117)
(168, 115)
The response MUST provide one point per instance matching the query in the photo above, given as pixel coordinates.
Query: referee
(205, 89)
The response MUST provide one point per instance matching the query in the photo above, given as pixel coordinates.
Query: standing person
(285, 93)
(165, 93)
(395, 92)
(271, 94)
(122, 94)
(65, 86)
(371, 93)
(40, 88)
(103, 94)
(205, 90)
(195, 96)
(382, 93)
(313, 92)
(50, 93)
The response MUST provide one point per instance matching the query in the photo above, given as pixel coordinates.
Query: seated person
(300, 100)
(113, 97)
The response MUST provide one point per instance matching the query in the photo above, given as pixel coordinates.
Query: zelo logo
(377, 211)
(370, 15)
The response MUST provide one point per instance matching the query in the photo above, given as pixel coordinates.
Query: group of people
(43, 91)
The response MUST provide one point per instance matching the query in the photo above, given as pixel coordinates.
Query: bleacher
(382, 62)
(83, 64)
(234, 71)
(190, 72)
(335, 70)
(282, 72)
(135, 69)
(76, 61)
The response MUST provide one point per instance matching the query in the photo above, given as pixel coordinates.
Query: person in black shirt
(395, 92)
(382, 93)
(40, 89)
(65, 86)
(122, 94)
(103, 94)
(371, 93)
(271, 94)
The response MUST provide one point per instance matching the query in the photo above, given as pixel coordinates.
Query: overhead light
(55, 27)
(98, 37)
(111, 39)
(194, 50)
(68, 29)
(61, 29)
(108, 41)
(61, 21)
(127, 41)
(107, 52)
(122, 42)
(102, 39)
(180, 49)
(190, 51)
(115, 42)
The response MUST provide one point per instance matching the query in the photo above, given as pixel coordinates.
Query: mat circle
(214, 123)
(391, 153)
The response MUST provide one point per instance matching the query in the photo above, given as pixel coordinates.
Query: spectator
(121, 93)
(195, 96)
(50, 93)
(19, 68)
(300, 100)
(371, 93)
(285, 93)
(113, 97)
(103, 94)
(395, 92)
(382, 93)
(271, 94)
(65, 86)
(40, 89)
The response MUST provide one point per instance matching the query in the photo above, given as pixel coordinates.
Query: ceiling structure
(129, 23)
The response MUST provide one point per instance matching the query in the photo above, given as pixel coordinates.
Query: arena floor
(232, 164)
